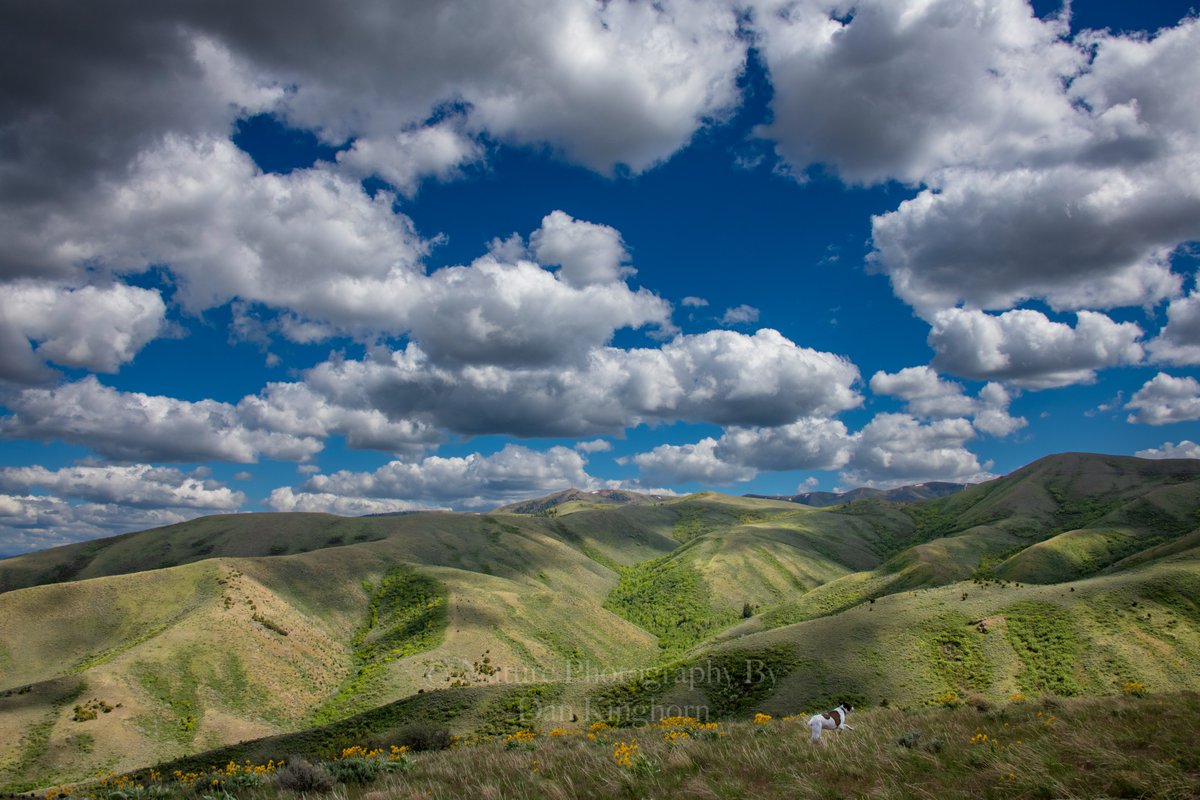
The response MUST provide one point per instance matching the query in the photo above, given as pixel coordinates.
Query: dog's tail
(814, 724)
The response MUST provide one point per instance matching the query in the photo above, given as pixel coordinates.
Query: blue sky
(413, 256)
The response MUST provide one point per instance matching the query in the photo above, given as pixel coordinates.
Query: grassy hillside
(195, 656)
(1074, 576)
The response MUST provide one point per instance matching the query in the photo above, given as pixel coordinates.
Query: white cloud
(928, 395)
(475, 480)
(693, 302)
(521, 314)
(721, 376)
(1165, 399)
(97, 90)
(1179, 341)
(293, 409)
(334, 261)
(924, 392)
(902, 88)
(405, 158)
(1050, 169)
(594, 446)
(810, 443)
(739, 315)
(1027, 349)
(588, 253)
(136, 486)
(896, 449)
(285, 499)
(98, 328)
(1089, 216)
(1078, 236)
(690, 462)
(991, 413)
(310, 241)
(131, 426)
(404, 403)
(1185, 449)
(891, 449)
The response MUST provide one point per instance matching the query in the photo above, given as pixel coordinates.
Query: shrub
(298, 775)
(355, 769)
(421, 737)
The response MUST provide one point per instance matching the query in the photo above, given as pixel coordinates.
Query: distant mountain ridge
(593, 497)
(930, 490)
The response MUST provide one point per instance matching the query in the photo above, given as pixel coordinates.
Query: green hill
(1074, 575)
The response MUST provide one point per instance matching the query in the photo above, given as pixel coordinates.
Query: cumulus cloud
(89, 94)
(594, 446)
(690, 462)
(891, 449)
(1025, 348)
(401, 403)
(136, 486)
(588, 253)
(723, 377)
(476, 480)
(131, 426)
(405, 158)
(494, 312)
(85, 94)
(1074, 235)
(1165, 399)
(1185, 449)
(332, 260)
(1050, 167)
(1086, 219)
(693, 302)
(1179, 340)
(293, 409)
(810, 443)
(902, 89)
(896, 449)
(991, 412)
(97, 328)
(285, 498)
(118, 158)
(926, 394)
(310, 241)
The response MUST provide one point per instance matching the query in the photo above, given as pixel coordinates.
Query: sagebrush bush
(356, 769)
(423, 738)
(298, 775)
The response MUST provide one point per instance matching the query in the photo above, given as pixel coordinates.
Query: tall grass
(1127, 746)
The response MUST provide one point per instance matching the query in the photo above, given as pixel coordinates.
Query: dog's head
(847, 707)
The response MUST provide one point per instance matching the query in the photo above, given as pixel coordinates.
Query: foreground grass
(1085, 748)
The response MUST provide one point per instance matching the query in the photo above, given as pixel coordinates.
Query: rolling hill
(1070, 576)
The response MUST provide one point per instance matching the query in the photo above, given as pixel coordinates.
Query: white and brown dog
(830, 720)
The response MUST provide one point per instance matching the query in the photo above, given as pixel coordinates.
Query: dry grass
(1123, 746)
(1100, 747)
